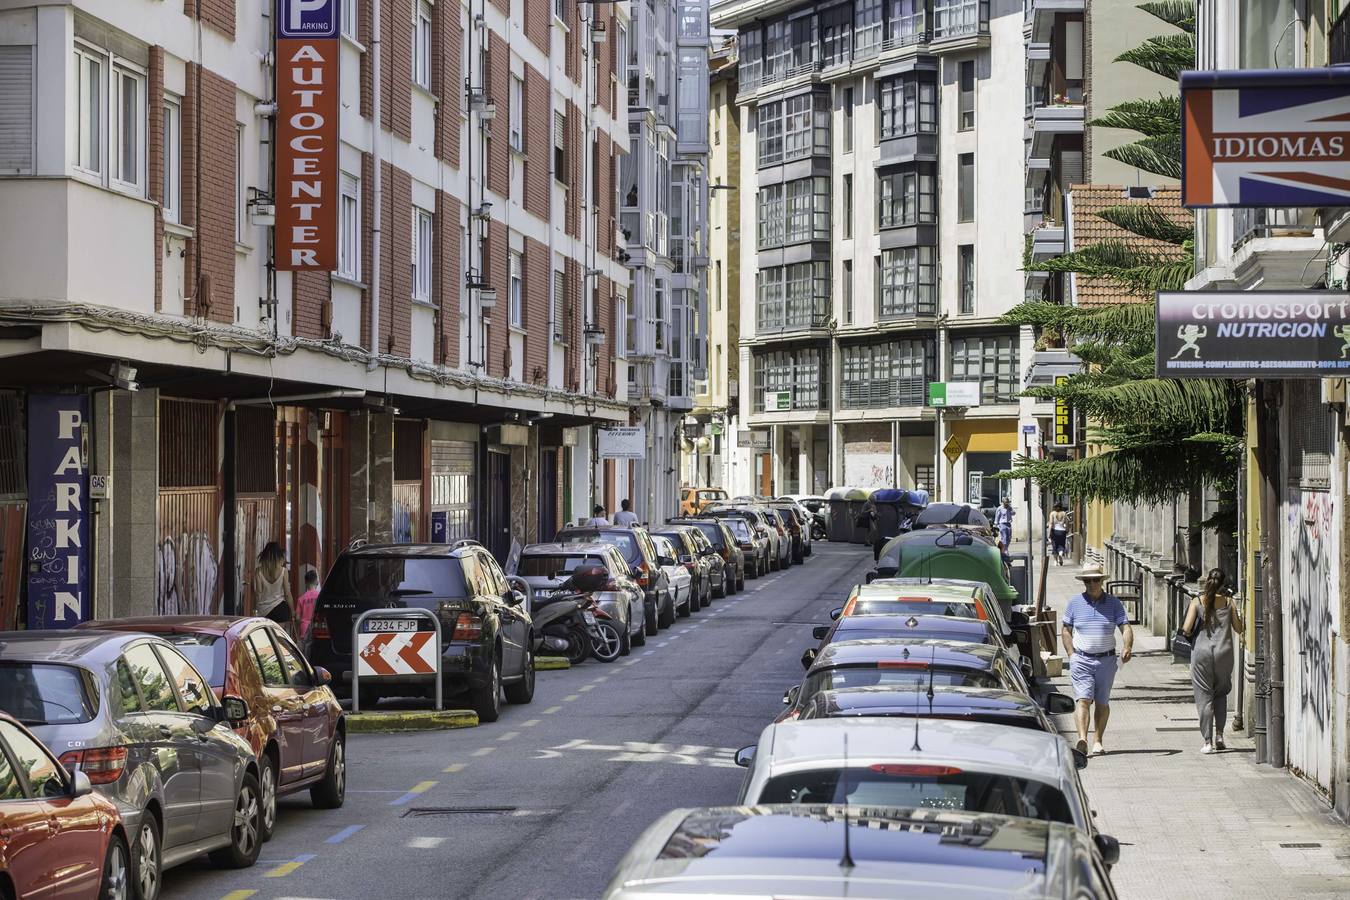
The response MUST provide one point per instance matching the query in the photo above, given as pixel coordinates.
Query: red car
(57, 837)
(295, 724)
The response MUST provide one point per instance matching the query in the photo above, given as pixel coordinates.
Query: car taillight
(691, 566)
(319, 629)
(923, 771)
(643, 576)
(103, 765)
(611, 585)
(468, 627)
(746, 545)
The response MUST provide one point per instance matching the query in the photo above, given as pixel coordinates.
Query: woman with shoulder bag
(1211, 621)
(272, 586)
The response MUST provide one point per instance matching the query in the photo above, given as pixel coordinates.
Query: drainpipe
(1268, 424)
(376, 186)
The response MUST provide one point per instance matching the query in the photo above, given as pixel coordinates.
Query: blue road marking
(344, 834)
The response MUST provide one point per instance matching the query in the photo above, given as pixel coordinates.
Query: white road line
(509, 736)
(426, 843)
(483, 751)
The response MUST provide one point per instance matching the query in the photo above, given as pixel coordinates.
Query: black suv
(485, 625)
(636, 546)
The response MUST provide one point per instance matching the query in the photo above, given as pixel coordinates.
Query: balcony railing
(1338, 42)
(751, 83)
(1250, 224)
(960, 18)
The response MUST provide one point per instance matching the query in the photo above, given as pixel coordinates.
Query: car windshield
(869, 676)
(922, 786)
(555, 565)
(711, 533)
(848, 631)
(665, 546)
(626, 541)
(739, 528)
(206, 652)
(914, 608)
(378, 577)
(43, 694)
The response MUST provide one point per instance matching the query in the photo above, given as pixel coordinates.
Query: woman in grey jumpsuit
(1212, 619)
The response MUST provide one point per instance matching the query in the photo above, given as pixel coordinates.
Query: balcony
(1047, 241)
(803, 72)
(1041, 16)
(960, 25)
(1276, 248)
(1050, 121)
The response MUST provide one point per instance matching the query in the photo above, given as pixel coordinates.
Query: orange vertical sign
(307, 153)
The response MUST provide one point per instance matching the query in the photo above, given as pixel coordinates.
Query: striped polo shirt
(1094, 624)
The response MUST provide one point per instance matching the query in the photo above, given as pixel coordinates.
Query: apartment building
(664, 221)
(886, 234)
(444, 381)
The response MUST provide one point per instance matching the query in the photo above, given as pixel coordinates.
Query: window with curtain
(890, 373)
(907, 106)
(907, 282)
(794, 128)
(992, 361)
(866, 27)
(750, 52)
(905, 22)
(802, 373)
(795, 296)
(836, 34)
(966, 277)
(907, 196)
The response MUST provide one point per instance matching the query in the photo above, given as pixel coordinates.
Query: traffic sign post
(397, 650)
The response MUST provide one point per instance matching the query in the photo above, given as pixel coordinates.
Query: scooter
(568, 622)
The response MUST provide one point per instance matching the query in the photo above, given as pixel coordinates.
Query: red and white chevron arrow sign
(402, 653)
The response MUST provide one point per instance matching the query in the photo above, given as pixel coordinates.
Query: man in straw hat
(1090, 622)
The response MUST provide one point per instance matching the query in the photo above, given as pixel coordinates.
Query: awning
(1046, 365)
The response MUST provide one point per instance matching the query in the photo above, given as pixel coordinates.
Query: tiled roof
(1089, 228)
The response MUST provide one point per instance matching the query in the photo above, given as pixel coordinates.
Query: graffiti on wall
(1308, 598)
(869, 470)
(186, 573)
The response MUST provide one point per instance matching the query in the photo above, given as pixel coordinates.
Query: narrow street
(570, 780)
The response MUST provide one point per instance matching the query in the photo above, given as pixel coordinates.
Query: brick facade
(210, 256)
(363, 30)
(572, 150)
(604, 353)
(396, 240)
(219, 14)
(571, 324)
(396, 34)
(604, 193)
(498, 362)
(155, 189)
(367, 240)
(538, 277)
(499, 89)
(311, 295)
(539, 23)
(572, 42)
(538, 144)
(447, 38)
(449, 277)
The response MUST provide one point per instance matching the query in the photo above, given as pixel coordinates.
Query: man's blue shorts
(1092, 677)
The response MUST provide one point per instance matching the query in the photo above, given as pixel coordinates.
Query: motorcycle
(572, 624)
(817, 527)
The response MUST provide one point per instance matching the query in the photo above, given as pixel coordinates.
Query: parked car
(750, 538)
(546, 566)
(906, 626)
(894, 661)
(721, 577)
(993, 705)
(723, 542)
(677, 575)
(797, 525)
(485, 626)
(692, 557)
(946, 553)
(964, 765)
(693, 499)
(959, 515)
(640, 553)
(791, 850)
(132, 714)
(58, 838)
(295, 725)
(772, 531)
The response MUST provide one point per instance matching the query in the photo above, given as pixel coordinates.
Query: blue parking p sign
(307, 18)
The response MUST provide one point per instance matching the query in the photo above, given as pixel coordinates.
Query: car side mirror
(517, 599)
(1059, 704)
(745, 756)
(1080, 759)
(665, 561)
(820, 631)
(884, 572)
(790, 695)
(236, 710)
(808, 657)
(322, 676)
(836, 613)
(1109, 848)
(870, 577)
(80, 785)
(1019, 619)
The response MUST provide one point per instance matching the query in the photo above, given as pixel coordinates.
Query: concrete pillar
(806, 470)
(135, 462)
(380, 455)
(100, 463)
(358, 477)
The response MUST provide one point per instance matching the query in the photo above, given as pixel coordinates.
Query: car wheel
(332, 791)
(116, 871)
(640, 636)
(684, 610)
(523, 690)
(145, 858)
(740, 581)
(625, 641)
(651, 621)
(666, 617)
(267, 786)
(487, 700)
(606, 646)
(723, 585)
(245, 841)
(578, 646)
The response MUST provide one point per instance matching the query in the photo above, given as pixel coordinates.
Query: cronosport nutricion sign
(1253, 334)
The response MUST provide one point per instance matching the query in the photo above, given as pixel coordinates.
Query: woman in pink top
(304, 604)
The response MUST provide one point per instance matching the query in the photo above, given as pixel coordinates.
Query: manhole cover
(1295, 846)
(431, 812)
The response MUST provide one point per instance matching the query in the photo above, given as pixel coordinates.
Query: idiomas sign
(1253, 334)
(58, 511)
(1266, 138)
(306, 190)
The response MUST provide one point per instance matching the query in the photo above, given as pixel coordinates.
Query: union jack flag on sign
(1266, 138)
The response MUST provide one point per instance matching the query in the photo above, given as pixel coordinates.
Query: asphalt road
(544, 802)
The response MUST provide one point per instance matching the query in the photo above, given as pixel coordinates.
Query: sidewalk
(1192, 825)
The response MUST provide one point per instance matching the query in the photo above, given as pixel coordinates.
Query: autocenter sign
(306, 190)
(1253, 334)
(1266, 138)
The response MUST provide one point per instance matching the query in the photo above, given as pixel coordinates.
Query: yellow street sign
(952, 449)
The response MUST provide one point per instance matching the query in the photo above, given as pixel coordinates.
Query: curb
(551, 663)
(410, 720)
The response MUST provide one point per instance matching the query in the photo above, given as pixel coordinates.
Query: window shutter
(1071, 164)
(16, 109)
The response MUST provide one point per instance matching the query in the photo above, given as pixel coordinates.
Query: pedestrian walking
(1059, 533)
(1090, 623)
(272, 586)
(304, 604)
(625, 517)
(1210, 621)
(1003, 519)
(597, 518)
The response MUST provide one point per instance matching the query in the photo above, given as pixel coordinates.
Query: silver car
(133, 714)
(544, 567)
